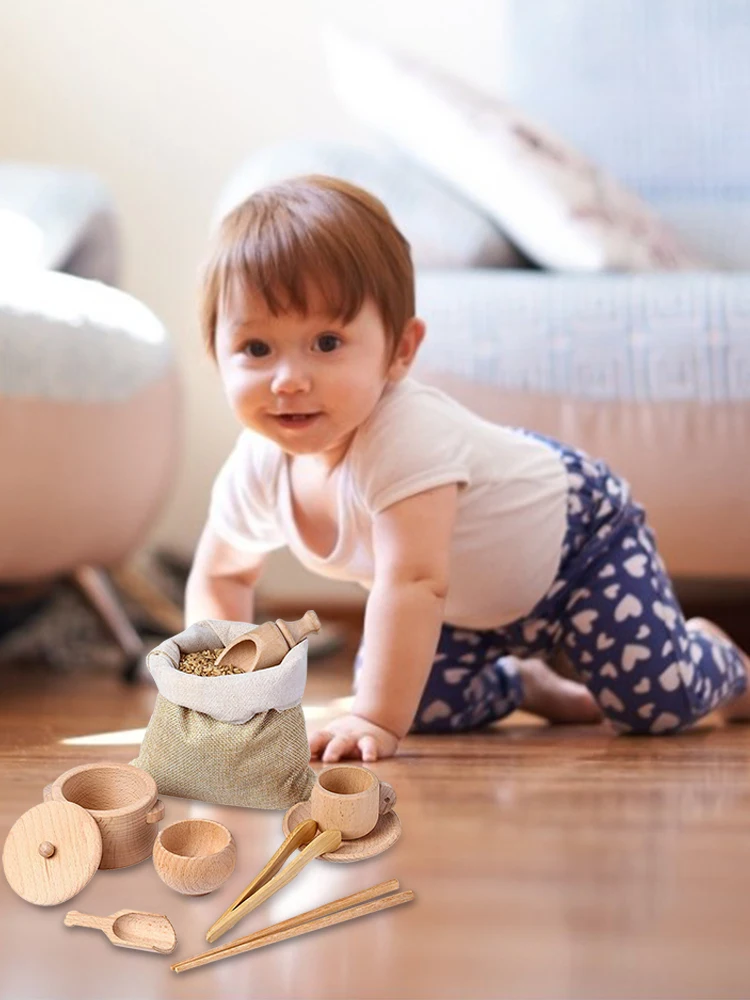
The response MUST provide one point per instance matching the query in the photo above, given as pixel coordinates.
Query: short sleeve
(242, 509)
(414, 441)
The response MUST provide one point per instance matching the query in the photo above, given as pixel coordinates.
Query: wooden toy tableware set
(106, 815)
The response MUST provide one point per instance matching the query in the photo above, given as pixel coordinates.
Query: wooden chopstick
(323, 843)
(300, 836)
(336, 912)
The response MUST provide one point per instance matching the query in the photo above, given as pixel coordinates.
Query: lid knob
(46, 849)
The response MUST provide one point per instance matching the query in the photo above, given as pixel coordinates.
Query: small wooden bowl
(194, 856)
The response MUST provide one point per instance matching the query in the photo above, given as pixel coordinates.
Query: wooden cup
(351, 799)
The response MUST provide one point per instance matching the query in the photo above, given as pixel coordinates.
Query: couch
(650, 370)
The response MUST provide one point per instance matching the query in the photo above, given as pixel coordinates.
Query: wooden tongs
(273, 877)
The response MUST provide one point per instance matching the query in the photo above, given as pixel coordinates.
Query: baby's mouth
(296, 420)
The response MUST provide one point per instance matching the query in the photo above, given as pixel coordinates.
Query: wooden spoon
(130, 929)
(267, 644)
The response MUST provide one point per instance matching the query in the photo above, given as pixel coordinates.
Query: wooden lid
(52, 852)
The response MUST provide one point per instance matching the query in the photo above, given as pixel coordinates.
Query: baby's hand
(352, 736)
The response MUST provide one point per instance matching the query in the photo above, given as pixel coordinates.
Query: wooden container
(194, 856)
(123, 801)
(351, 799)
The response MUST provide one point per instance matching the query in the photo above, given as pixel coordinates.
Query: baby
(482, 548)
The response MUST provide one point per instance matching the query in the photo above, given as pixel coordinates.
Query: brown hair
(312, 233)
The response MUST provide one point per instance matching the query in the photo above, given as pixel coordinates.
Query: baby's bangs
(298, 272)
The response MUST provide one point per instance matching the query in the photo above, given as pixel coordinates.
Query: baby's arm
(412, 544)
(221, 581)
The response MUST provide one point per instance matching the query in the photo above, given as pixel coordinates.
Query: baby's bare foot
(555, 698)
(738, 709)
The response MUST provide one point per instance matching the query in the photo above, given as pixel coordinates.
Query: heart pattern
(629, 607)
(616, 617)
(636, 565)
(632, 654)
(436, 710)
(584, 621)
(454, 675)
(608, 699)
(533, 629)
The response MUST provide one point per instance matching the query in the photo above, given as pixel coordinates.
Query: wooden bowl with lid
(124, 802)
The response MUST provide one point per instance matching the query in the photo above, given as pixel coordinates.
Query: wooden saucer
(386, 833)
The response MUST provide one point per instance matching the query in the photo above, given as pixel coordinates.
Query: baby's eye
(328, 342)
(256, 348)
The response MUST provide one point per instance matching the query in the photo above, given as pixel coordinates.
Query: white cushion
(64, 338)
(444, 230)
(57, 219)
(552, 202)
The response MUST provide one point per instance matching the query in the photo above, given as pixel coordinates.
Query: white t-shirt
(512, 501)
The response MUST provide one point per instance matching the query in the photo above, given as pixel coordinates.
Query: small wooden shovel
(130, 929)
(268, 644)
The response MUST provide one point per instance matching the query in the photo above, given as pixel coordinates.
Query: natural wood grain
(549, 862)
(275, 937)
(130, 929)
(349, 798)
(323, 843)
(51, 853)
(268, 644)
(123, 801)
(386, 832)
(300, 836)
(194, 856)
(319, 911)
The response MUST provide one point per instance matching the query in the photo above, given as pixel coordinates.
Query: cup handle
(157, 813)
(387, 798)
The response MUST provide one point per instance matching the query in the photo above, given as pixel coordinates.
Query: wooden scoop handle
(75, 919)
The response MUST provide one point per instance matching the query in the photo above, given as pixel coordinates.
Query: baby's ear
(407, 347)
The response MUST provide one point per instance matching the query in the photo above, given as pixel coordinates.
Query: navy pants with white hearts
(611, 608)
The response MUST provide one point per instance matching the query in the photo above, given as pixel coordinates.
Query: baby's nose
(290, 378)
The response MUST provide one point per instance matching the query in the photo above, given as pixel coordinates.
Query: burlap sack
(236, 740)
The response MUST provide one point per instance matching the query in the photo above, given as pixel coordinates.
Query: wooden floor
(546, 863)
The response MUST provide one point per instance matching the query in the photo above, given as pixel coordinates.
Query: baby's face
(306, 382)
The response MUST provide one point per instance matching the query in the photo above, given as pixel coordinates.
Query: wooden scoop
(268, 644)
(130, 929)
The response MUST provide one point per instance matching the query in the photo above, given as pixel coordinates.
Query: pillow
(57, 219)
(562, 211)
(444, 230)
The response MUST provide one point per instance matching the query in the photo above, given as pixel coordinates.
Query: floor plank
(546, 863)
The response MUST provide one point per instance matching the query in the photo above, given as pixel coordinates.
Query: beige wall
(163, 99)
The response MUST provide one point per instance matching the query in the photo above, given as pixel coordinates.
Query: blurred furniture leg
(167, 616)
(97, 588)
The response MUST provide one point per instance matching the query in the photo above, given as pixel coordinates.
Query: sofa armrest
(611, 337)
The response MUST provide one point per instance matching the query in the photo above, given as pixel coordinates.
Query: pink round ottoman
(89, 415)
